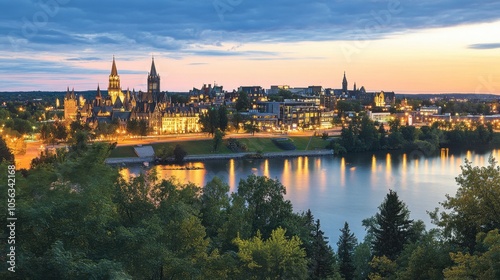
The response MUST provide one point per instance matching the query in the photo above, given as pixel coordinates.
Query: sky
(406, 46)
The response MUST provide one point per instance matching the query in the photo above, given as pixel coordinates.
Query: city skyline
(406, 47)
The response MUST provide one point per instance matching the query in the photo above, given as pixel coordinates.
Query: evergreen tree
(322, 259)
(5, 153)
(346, 245)
(393, 227)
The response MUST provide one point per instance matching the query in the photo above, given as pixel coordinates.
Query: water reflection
(342, 172)
(388, 168)
(323, 185)
(373, 177)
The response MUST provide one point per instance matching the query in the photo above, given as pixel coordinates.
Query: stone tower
(344, 85)
(70, 106)
(153, 81)
(114, 89)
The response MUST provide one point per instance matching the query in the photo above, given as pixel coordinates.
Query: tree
(243, 103)
(474, 208)
(251, 128)
(179, 154)
(346, 245)
(392, 228)
(266, 208)
(223, 119)
(425, 259)
(132, 127)
(60, 132)
(217, 140)
(237, 120)
(143, 128)
(5, 153)
(214, 207)
(278, 257)
(210, 121)
(164, 152)
(322, 257)
(481, 265)
(368, 134)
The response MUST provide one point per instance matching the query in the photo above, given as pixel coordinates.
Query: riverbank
(205, 157)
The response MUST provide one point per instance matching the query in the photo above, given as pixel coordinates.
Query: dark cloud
(172, 24)
(485, 46)
(180, 28)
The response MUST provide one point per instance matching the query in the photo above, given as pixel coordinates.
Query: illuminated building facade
(181, 120)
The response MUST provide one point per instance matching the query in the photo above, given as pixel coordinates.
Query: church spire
(114, 72)
(344, 85)
(153, 68)
(98, 95)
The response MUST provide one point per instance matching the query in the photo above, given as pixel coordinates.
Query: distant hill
(44, 96)
(469, 96)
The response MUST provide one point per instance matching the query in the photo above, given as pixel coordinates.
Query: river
(348, 188)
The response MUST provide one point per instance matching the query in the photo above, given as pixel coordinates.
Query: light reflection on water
(349, 188)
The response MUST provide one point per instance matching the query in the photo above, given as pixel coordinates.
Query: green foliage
(347, 105)
(475, 207)
(425, 259)
(251, 128)
(214, 119)
(237, 119)
(346, 245)
(392, 228)
(275, 258)
(217, 140)
(215, 205)
(243, 103)
(236, 146)
(5, 153)
(322, 258)
(484, 264)
(266, 207)
(361, 260)
(164, 152)
(179, 154)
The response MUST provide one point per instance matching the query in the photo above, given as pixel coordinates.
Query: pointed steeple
(153, 68)
(98, 95)
(114, 72)
(114, 89)
(344, 85)
(153, 84)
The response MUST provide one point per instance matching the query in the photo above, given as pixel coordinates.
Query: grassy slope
(254, 144)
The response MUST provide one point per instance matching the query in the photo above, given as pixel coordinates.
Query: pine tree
(393, 227)
(322, 259)
(346, 245)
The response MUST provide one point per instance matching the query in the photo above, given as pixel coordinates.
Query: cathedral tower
(344, 85)
(114, 89)
(153, 82)
(70, 106)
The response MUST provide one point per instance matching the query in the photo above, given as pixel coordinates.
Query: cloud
(84, 59)
(485, 46)
(172, 24)
(93, 30)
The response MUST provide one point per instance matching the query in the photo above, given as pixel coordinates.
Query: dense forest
(78, 218)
